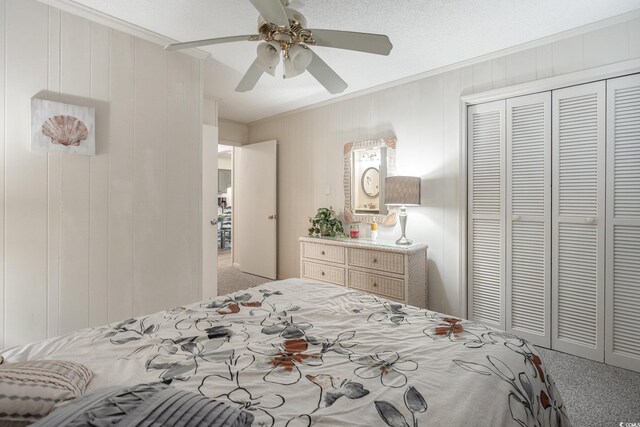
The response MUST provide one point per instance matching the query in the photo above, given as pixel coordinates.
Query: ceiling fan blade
(272, 11)
(250, 78)
(325, 75)
(206, 42)
(363, 42)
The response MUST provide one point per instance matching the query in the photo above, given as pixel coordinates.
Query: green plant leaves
(325, 223)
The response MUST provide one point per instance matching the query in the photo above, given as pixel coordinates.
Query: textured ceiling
(426, 35)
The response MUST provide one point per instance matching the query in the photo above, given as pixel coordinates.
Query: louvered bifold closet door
(528, 218)
(622, 347)
(578, 155)
(486, 142)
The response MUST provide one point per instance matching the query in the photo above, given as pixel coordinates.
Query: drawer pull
(322, 273)
(375, 260)
(375, 285)
(322, 252)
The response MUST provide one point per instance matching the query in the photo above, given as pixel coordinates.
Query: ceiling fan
(283, 33)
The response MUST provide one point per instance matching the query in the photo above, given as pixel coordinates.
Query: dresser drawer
(322, 272)
(377, 260)
(385, 286)
(323, 252)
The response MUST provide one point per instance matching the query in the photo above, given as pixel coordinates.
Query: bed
(297, 352)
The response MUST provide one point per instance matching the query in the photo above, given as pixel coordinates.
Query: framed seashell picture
(63, 128)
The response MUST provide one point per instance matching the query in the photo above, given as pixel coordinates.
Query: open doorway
(225, 206)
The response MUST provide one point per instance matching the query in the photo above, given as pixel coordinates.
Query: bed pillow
(30, 390)
(154, 404)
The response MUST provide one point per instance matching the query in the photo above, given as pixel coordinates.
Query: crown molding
(625, 17)
(120, 25)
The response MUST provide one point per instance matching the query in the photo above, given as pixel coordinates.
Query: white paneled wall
(425, 116)
(232, 133)
(90, 240)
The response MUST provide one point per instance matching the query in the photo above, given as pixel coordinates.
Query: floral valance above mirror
(366, 164)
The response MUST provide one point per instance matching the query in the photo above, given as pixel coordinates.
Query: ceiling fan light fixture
(299, 59)
(296, 17)
(268, 56)
(283, 32)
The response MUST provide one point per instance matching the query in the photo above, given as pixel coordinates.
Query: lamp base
(404, 241)
(403, 225)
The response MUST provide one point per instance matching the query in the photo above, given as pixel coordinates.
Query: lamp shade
(268, 57)
(402, 190)
(297, 62)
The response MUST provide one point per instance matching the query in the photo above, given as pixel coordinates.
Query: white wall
(209, 111)
(233, 133)
(90, 240)
(425, 116)
(225, 163)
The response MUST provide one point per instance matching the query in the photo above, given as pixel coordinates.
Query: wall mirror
(366, 164)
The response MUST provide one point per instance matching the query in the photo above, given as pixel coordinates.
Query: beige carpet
(225, 259)
(595, 394)
(231, 279)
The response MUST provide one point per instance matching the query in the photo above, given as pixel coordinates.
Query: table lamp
(402, 191)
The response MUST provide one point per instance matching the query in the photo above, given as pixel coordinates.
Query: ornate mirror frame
(350, 214)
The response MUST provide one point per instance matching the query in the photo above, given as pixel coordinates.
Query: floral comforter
(298, 353)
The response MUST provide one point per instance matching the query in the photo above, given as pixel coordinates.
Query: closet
(554, 218)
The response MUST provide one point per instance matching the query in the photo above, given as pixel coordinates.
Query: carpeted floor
(231, 279)
(595, 394)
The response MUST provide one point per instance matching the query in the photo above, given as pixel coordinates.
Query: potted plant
(325, 223)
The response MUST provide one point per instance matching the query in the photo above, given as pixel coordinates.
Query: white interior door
(209, 211)
(622, 337)
(578, 145)
(255, 199)
(486, 213)
(528, 260)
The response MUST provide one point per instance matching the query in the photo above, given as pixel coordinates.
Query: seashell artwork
(65, 130)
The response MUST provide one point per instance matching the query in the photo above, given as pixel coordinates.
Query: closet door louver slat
(486, 213)
(622, 346)
(578, 220)
(528, 185)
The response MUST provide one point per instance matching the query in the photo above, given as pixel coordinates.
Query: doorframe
(233, 146)
(205, 226)
(618, 69)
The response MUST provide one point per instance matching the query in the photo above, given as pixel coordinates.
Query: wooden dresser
(380, 267)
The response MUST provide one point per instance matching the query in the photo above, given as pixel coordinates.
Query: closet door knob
(322, 273)
(322, 252)
(515, 217)
(589, 220)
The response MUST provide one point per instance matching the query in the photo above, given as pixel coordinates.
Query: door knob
(270, 217)
(515, 217)
(214, 221)
(589, 220)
